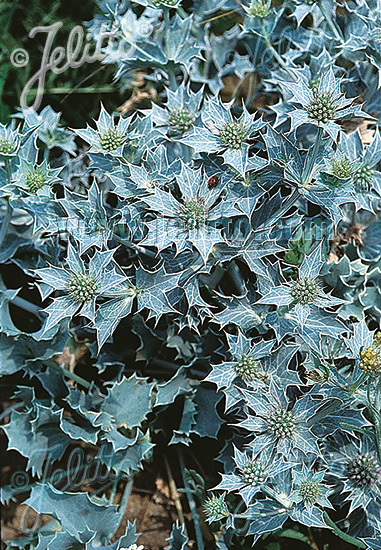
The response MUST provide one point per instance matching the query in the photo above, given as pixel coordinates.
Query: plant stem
(170, 65)
(310, 161)
(68, 374)
(174, 492)
(28, 306)
(6, 221)
(276, 54)
(336, 531)
(192, 504)
(337, 34)
(8, 212)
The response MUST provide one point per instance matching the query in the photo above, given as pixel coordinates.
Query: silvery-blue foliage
(214, 259)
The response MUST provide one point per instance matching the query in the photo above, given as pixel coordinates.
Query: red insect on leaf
(213, 182)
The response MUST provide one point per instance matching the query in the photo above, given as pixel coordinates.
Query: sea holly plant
(201, 271)
(80, 284)
(190, 219)
(321, 105)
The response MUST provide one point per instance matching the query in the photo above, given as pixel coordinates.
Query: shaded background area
(76, 92)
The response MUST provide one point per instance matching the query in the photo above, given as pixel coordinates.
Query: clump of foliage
(216, 258)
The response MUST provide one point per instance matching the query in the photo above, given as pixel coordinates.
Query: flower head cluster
(258, 9)
(34, 179)
(252, 473)
(80, 285)
(249, 369)
(181, 120)
(194, 213)
(364, 471)
(363, 177)
(180, 112)
(109, 138)
(357, 467)
(215, 508)
(322, 107)
(305, 291)
(322, 104)
(370, 361)
(232, 135)
(309, 488)
(10, 141)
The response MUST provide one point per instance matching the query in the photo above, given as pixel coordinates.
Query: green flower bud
(364, 471)
(215, 508)
(342, 168)
(258, 10)
(180, 120)
(7, 146)
(82, 287)
(193, 213)
(35, 180)
(232, 135)
(282, 424)
(111, 140)
(323, 107)
(363, 177)
(310, 491)
(249, 369)
(254, 473)
(305, 291)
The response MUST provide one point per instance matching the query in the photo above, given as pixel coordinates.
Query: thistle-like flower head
(232, 135)
(364, 471)
(282, 424)
(194, 213)
(305, 291)
(323, 107)
(249, 369)
(82, 287)
(180, 120)
(258, 9)
(215, 508)
(109, 137)
(254, 472)
(363, 177)
(111, 140)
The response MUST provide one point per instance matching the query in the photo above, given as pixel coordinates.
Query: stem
(68, 374)
(6, 221)
(192, 504)
(170, 68)
(336, 32)
(124, 501)
(174, 492)
(8, 212)
(28, 306)
(336, 531)
(310, 162)
(276, 54)
(354, 387)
